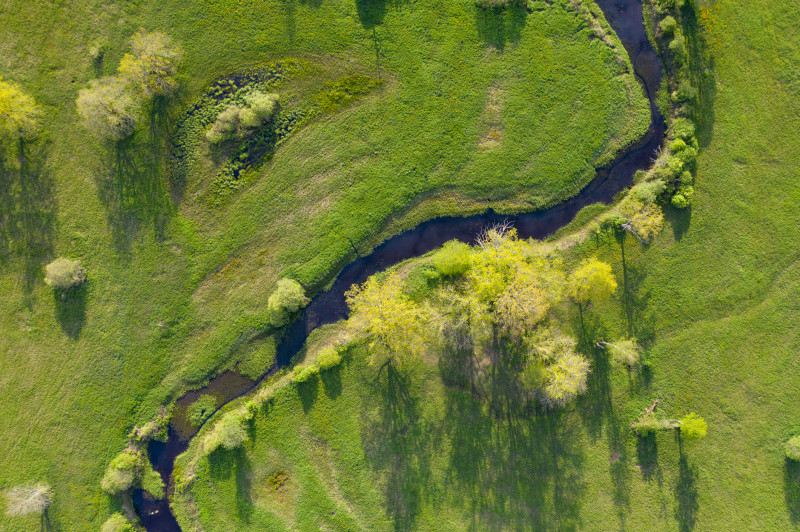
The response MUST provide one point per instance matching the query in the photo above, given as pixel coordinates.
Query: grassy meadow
(715, 302)
(476, 109)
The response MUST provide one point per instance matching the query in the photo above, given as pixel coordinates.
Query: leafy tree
(152, 65)
(453, 259)
(625, 352)
(650, 191)
(19, 114)
(396, 326)
(328, 358)
(238, 121)
(565, 376)
(642, 220)
(592, 280)
(524, 303)
(793, 449)
(108, 109)
(682, 197)
(116, 523)
(288, 298)
(122, 472)
(64, 273)
(693, 426)
(28, 499)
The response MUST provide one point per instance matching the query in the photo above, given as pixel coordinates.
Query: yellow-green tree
(642, 220)
(592, 280)
(19, 114)
(625, 352)
(152, 63)
(108, 109)
(563, 371)
(527, 298)
(396, 326)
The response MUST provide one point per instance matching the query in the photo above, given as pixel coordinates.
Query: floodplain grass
(714, 303)
(164, 302)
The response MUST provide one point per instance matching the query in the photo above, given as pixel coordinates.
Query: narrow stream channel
(625, 17)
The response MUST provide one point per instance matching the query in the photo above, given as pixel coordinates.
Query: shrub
(685, 92)
(693, 426)
(686, 178)
(238, 121)
(677, 145)
(328, 358)
(668, 25)
(591, 280)
(453, 259)
(108, 109)
(201, 409)
(64, 273)
(678, 46)
(305, 373)
(288, 297)
(793, 449)
(229, 432)
(116, 523)
(28, 499)
(683, 197)
(650, 191)
(19, 114)
(683, 128)
(121, 472)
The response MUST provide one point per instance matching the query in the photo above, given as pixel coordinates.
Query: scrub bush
(288, 298)
(792, 449)
(683, 197)
(683, 128)
(121, 472)
(116, 523)
(693, 426)
(305, 373)
(650, 191)
(229, 432)
(648, 424)
(239, 121)
(453, 259)
(668, 25)
(328, 358)
(64, 273)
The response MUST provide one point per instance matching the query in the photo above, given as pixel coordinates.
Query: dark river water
(625, 17)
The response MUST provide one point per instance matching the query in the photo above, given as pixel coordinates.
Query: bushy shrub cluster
(201, 409)
(453, 259)
(328, 358)
(229, 432)
(116, 523)
(122, 472)
(64, 273)
(288, 297)
(305, 372)
(239, 121)
(497, 4)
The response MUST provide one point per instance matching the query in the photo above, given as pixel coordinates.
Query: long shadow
(134, 190)
(686, 492)
(70, 310)
(701, 71)
(398, 444)
(512, 461)
(791, 487)
(634, 301)
(499, 26)
(371, 12)
(27, 209)
(647, 457)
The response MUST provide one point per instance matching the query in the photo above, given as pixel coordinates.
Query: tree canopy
(108, 109)
(152, 64)
(19, 114)
(28, 499)
(592, 280)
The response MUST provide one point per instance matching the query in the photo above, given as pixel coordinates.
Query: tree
(453, 259)
(328, 358)
(28, 499)
(565, 377)
(19, 114)
(642, 220)
(693, 426)
(592, 280)
(64, 273)
(229, 432)
(792, 449)
(288, 298)
(625, 352)
(116, 523)
(238, 121)
(153, 63)
(395, 325)
(108, 109)
(522, 305)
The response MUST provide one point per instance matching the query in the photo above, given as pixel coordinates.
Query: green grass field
(510, 110)
(715, 302)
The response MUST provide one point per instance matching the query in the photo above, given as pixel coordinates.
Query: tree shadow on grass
(398, 444)
(27, 209)
(307, 392)
(134, 191)
(679, 220)
(70, 308)
(647, 457)
(512, 462)
(634, 301)
(791, 487)
(499, 26)
(225, 464)
(332, 381)
(371, 12)
(686, 492)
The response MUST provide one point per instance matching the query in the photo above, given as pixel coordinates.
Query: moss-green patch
(201, 409)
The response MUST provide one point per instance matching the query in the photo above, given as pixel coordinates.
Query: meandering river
(625, 17)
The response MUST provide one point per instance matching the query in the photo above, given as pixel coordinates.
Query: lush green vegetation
(712, 301)
(469, 111)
